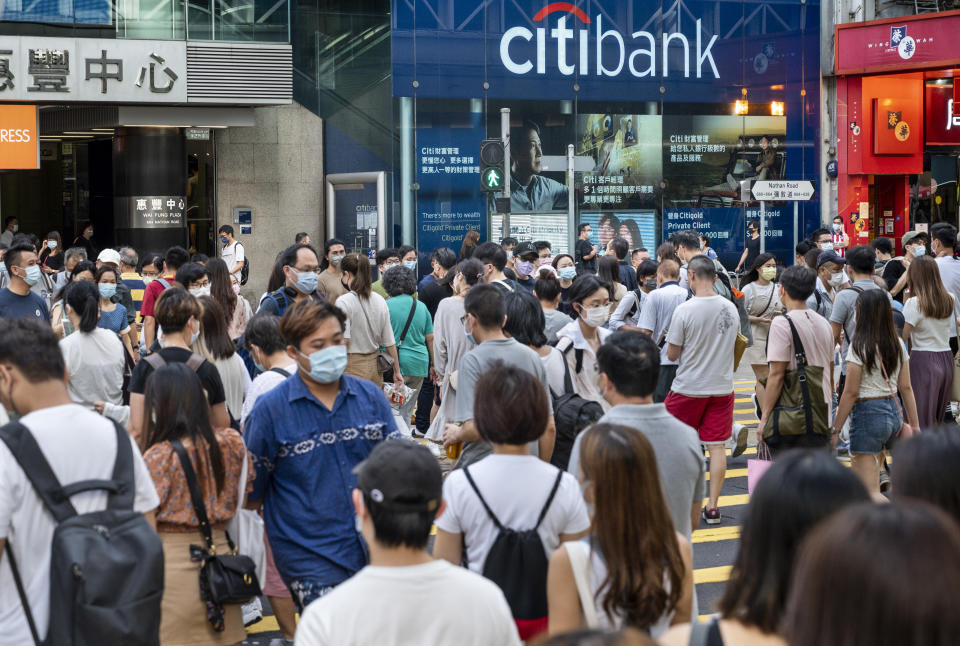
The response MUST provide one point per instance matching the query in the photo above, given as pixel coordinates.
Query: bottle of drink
(454, 450)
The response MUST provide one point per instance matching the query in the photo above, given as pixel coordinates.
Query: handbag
(576, 551)
(739, 347)
(796, 412)
(384, 360)
(247, 525)
(224, 579)
(756, 467)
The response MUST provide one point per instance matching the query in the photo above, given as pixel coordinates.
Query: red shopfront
(898, 124)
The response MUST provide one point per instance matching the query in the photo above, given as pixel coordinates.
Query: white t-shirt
(431, 603)
(264, 383)
(236, 380)
(368, 322)
(874, 384)
(657, 311)
(929, 335)
(95, 366)
(79, 445)
(516, 488)
(231, 255)
(553, 365)
(706, 327)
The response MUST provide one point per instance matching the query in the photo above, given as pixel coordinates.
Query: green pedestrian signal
(492, 179)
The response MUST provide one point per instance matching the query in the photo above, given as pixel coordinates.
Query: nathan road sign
(782, 189)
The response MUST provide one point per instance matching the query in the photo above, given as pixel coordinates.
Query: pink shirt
(816, 336)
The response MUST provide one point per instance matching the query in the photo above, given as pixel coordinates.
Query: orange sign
(19, 137)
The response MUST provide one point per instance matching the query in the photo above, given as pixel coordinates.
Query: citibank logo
(520, 58)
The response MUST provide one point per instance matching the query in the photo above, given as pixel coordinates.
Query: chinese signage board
(19, 143)
(941, 124)
(726, 228)
(903, 43)
(156, 211)
(92, 70)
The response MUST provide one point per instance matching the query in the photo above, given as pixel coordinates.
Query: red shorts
(711, 416)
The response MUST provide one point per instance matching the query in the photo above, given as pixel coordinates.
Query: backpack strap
(30, 457)
(553, 492)
(580, 564)
(801, 357)
(273, 296)
(413, 310)
(195, 361)
(155, 361)
(473, 485)
(279, 371)
(578, 367)
(164, 282)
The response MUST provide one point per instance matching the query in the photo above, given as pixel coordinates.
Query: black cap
(829, 256)
(524, 247)
(401, 475)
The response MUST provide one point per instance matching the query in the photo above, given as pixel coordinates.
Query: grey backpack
(106, 567)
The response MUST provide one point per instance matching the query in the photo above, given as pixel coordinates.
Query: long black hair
(525, 319)
(754, 272)
(84, 299)
(175, 408)
(875, 333)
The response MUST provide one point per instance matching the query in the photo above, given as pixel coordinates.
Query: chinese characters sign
(923, 41)
(88, 69)
(155, 212)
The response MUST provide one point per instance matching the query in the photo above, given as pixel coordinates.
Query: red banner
(941, 125)
(916, 42)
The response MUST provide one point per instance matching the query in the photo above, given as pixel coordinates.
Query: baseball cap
(909, 236)
(400, 475)
(524, 247)
(109, 256)
(829, 256)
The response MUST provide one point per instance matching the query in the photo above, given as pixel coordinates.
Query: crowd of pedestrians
(499, 446)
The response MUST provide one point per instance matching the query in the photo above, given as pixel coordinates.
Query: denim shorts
(873, 423)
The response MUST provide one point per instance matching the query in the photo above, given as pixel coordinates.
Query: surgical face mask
(32, 276)
(195, 335)
(224, 239)
(837, 227)
(651, 284)
(327, 365)
(826, 246)
(768, 273)
(468, 334)
(410, 264)
(259, 366)
(107, 290)
(544, 261)
(200, 291)
(510, 254)
(337, 259)
(306, 281)
(51, 244)
(236, 288)
(567, 273)
(596, 316)
(919, 250)
(15, 228)
(146, 279)
(836, 280)
(88, 234)
(524, 268)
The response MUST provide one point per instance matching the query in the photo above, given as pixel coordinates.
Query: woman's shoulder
(159, 455)
(230, 440)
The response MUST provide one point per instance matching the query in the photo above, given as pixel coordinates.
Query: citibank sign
(522, 50)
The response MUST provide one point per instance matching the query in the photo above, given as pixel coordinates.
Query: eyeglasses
(201, 283)
(312, 270)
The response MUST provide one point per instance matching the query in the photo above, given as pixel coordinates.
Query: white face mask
(200, 291)
(836, 280)
(596, 316)
(826, 246)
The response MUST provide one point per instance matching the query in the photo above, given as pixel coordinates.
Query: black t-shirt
(891, 274)
(509, 273)
(54, 262)
(753, 250)
(584, 248)
(527, 284)
(207, 372)
(432, 293)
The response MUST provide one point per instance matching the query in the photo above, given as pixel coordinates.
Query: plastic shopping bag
(758, 466)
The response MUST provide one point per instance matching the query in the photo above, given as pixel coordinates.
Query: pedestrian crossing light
(492, 179)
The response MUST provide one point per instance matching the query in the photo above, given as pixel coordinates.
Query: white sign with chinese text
(38, 69)
(783, 190)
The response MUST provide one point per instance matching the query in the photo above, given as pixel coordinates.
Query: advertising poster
(706, 157)
(626, 151)
(355, 219)
(638, 228)
(533, 227)
(449, 201)
(727, 227)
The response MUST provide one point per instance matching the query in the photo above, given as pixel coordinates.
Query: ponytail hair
(84, 299)
(359, 266)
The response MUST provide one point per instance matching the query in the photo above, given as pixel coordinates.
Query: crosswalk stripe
(751, 451)
(712, 574)
(743, 390)
(744, 411)
(732, 501)
(732, 473)
(705, 618)
(265, 625)
(740, 382)
(711, 535)
(742, 400)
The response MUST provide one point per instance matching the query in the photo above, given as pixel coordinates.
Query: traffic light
(491, 159)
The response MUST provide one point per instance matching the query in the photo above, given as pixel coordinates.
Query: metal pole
(796, 219)
(407, 217)
(763, 226)
(571, 206)
(505, 138)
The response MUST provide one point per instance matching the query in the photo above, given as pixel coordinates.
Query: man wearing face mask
(627, 315)
(527, 257)
(839, 238)
(85, 240)
(752, 248)
(829, 279)
(306, 436)
(914, 245)
(330, 280)
(10, 229)
(232, 252)
(194, 277)
(17, 299)
(494, 259)
(655, 320)
(300, 273)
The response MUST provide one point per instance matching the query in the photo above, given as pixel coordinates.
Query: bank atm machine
(356, 211)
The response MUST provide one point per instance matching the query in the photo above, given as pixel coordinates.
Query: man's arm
(546, 442)
(778, 369)
(674, 351)
(837, 329)
(149, 331)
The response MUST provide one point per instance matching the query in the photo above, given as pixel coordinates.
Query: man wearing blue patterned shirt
(306, 436)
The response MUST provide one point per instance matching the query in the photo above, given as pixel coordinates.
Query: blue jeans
(873, 423)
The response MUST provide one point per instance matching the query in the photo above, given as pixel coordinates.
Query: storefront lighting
(741, 107)
(776, 108)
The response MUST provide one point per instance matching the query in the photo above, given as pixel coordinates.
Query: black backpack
(106, 567)
(571, 413)
(518, 564)
(245, 270)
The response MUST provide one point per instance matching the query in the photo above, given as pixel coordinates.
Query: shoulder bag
(580, 564)
(224, 578)
(796, 411)
(388, 375)
(384, 360)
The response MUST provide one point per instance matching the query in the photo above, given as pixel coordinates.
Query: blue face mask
(568, 273)
(306, 282)
(33, 275)
(411, 265)
(468, 334)
(224, 239)
(327, 365)
(107, 290)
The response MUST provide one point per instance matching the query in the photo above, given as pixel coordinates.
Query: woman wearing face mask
(762, 300)
(93, 356)
(567, 270)
(609, 273)
(113, 316)
(450, 344)
(627, 314)
(178, 315)
(52, 253)
(85, 240)
(580, 339)
(895, 273)
(82, 271)
(368, 323)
